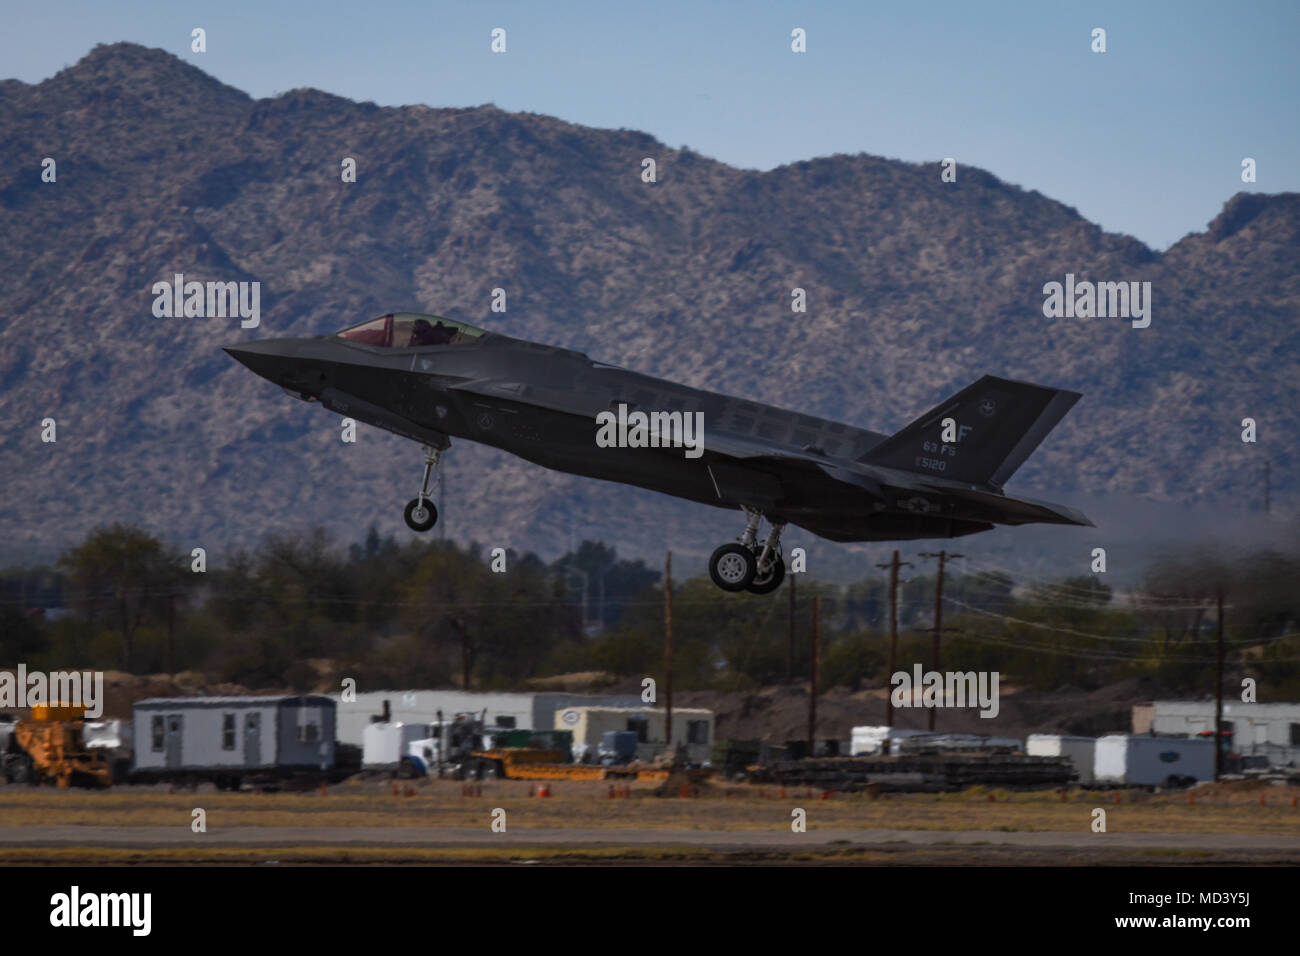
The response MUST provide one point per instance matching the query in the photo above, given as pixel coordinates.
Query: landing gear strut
(421, 515)
(771, 566)
(747, 566)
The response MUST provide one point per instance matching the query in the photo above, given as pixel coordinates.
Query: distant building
(1269, 730)
(692, 728)
(517, 711)
(1142, 716)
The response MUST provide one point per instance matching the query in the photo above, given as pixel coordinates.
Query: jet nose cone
(272, 359)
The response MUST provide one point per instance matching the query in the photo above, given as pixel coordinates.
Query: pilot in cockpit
(424, 333)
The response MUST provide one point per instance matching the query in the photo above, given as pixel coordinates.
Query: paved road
(140, 837)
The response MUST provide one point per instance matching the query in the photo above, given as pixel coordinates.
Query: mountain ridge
(915, 288)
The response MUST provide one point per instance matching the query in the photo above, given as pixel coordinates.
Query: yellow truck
(524, 763)
(49, 747)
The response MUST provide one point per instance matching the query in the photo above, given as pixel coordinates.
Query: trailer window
(308, 733)
(156, 727)
(1295, 735)
(697, 731)
(507, 722)
(227, 731)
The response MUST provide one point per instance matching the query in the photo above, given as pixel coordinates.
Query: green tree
(123, 575)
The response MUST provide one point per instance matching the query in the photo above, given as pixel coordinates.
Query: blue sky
(1145, 139)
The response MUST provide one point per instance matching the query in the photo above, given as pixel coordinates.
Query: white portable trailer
(1136, 760)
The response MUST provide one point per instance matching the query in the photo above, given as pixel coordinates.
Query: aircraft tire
(732, 567)
(773, 581)
(420, 517)
(21, 771)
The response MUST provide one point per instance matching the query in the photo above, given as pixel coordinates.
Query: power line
(1107, 637)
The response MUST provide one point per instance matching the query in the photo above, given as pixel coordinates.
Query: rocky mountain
(914, 286)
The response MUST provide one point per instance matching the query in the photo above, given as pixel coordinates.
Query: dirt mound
(579, 682)
(121, 689)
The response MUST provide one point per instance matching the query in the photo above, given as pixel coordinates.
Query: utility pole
(943, 556)
(464, 652)
(586, 581)
(789, 651)
(600, 604)
(171, 633)
(812, 675)
(1218, 693)
(668, 652)
(893, 566)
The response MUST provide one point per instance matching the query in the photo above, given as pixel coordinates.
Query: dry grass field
(1222, 808)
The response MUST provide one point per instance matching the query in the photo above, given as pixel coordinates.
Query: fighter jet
(429, 378)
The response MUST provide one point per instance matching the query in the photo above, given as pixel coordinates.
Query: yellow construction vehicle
(49, 746)
(527, 763)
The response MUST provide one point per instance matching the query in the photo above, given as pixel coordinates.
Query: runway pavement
(180, 836)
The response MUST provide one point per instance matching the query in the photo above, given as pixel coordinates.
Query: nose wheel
(421, 515)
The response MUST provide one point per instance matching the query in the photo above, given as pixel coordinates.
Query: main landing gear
(747, 566)
(421, 515)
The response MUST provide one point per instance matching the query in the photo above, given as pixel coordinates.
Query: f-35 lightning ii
(427, 378)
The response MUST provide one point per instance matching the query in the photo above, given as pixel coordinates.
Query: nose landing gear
(421, 515)
(745, 566)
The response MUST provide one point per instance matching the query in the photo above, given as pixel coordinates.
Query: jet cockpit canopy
(404, 330)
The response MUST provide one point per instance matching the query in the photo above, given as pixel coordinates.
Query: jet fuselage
(541, 403)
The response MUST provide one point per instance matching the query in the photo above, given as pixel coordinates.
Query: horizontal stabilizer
(1018, 510)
